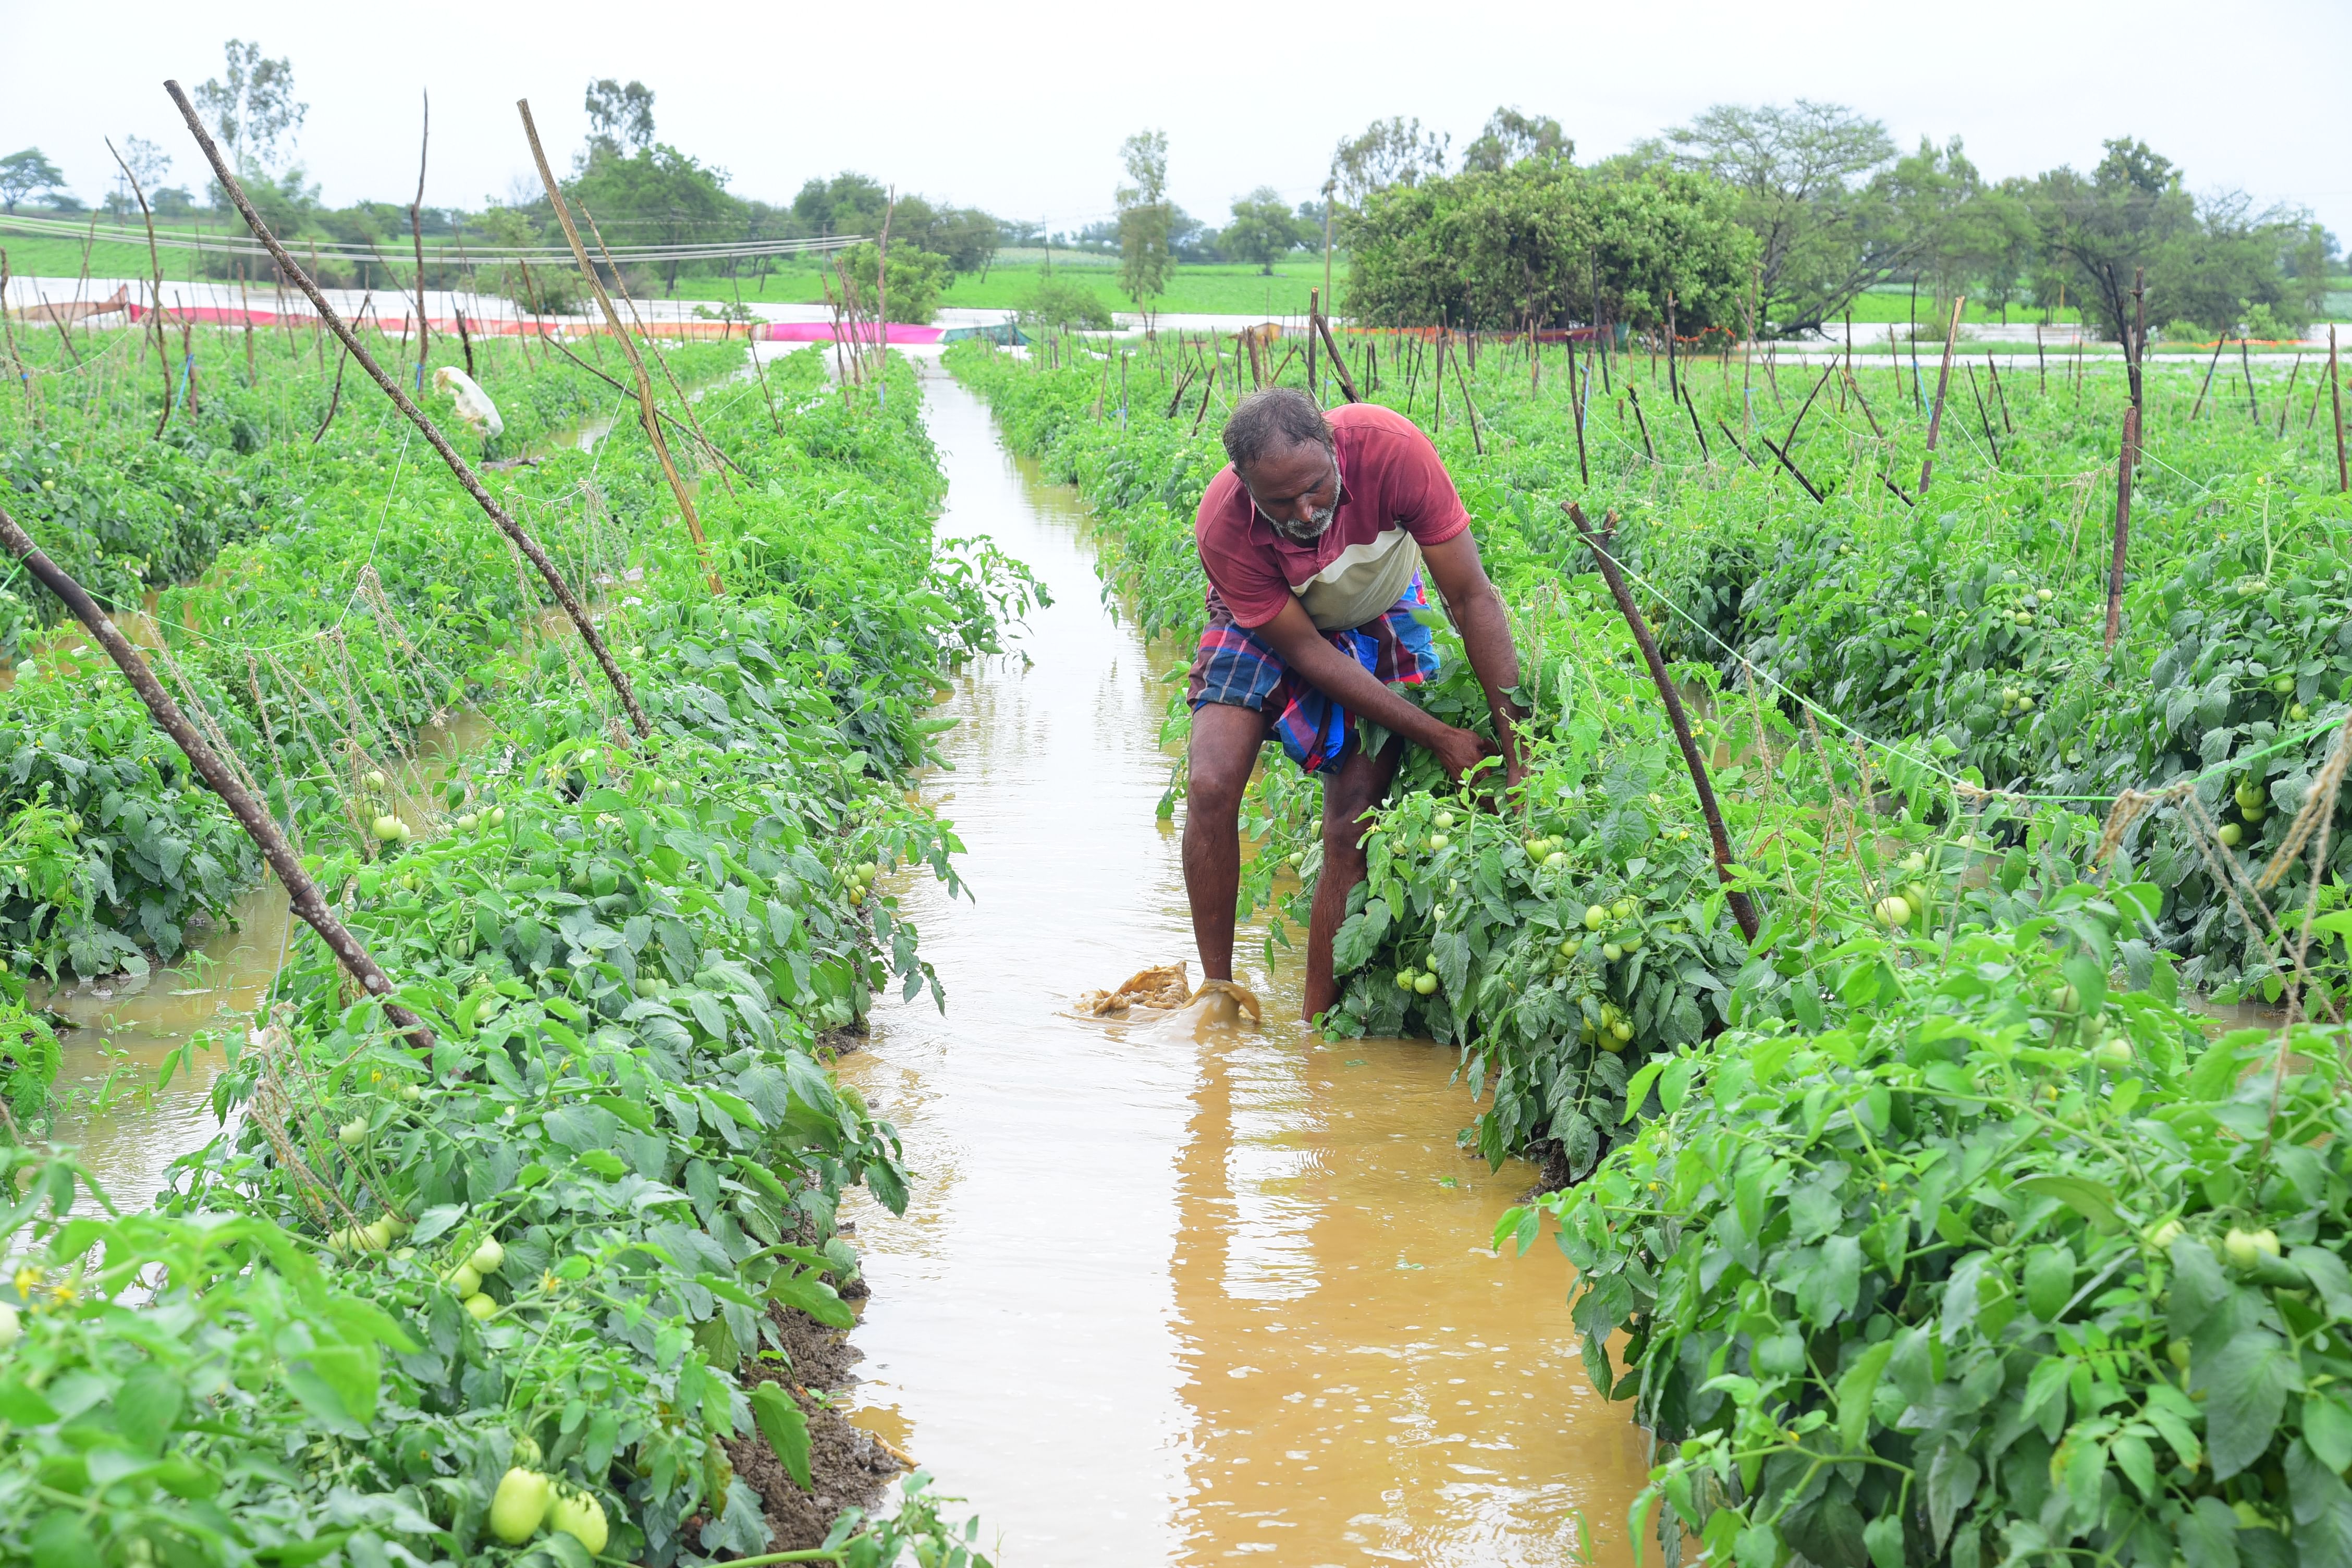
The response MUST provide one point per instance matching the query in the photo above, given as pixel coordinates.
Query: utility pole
(1329, 185)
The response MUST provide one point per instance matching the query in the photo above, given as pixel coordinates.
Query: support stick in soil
(647, 411)
(417, 236)
(2206, 384)
(1943, 382)
(2126, 460)
(302, 893)
(155, 308)
(440, 443)
(1339, 363)
(2336, 402)
(1742, 910)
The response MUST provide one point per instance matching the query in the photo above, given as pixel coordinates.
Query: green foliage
(2009, 1262)
(1146, 219)
(627, 959)
(1263, 230)
(916, 275)
(1493, 249)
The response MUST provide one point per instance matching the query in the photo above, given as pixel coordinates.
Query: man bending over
(1315, 539)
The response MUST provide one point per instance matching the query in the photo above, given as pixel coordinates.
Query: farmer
(1315, 539)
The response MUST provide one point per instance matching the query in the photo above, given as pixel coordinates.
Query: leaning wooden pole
(647, 414)
(302, 893)
(1943, 382)
(155, 264)
(417, 236)
(2126, 460)
(2336, 402)
(1742, 910)
(507, 525)
(1339, 361)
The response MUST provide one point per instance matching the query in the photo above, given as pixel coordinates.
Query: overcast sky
(1020, 110)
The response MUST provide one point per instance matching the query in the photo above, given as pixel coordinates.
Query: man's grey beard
(1308, 531)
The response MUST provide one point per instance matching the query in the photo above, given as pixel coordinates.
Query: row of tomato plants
(514, 1295)
(1929, 1227)
(345, 595)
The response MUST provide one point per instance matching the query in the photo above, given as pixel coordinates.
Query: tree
(1262, 231)
(916, 279)
(620, 116)
(252, 109)
(1493, 249)
(1391, 151)
(148, 163)
(1806, 186)
(1511, 136)
(2208, 262)
(657, 194)
(1145, 220)
(27, 173)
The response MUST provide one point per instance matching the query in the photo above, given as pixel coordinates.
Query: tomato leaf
(786, 1428)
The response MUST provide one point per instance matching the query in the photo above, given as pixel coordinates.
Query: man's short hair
(1274, 420)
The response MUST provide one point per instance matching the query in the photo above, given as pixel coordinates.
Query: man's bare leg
(1348, 795)
(1225, 741)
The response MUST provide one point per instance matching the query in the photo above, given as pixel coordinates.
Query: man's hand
(1459, 750)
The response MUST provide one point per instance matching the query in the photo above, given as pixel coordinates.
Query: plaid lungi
(1234, 666)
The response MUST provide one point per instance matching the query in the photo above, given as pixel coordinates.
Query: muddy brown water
(124, 1128)
(1161, 1300)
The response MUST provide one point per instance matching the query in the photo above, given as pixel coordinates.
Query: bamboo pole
(646, 412)
(1338, 365)
(302, 893)
(2206, 384)
(2126, 460)
(1742, 910)
(507, 525)
(417, 236)
(2335, 401)
(1943, 382)
(156, 312)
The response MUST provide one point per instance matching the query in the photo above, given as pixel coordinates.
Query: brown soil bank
(847, 1467)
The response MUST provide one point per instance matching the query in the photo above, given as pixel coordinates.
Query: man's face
(1297, 491)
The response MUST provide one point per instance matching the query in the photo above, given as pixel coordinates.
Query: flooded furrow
(1162, 1300)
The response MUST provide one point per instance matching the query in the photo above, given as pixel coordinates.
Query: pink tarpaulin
(822, 332)
(492, 326)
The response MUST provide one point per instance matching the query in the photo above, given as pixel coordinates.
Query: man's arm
(1292, 635)
(1478, 612)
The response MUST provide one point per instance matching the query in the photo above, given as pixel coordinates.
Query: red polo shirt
(1394, 493)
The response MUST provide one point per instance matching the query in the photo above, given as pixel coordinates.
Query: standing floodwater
(1157, 1301)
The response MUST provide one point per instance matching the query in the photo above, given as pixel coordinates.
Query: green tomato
(520, 1505)
(1444, 820)
(1595, 917)
(582, 1517)
(1438, 841)
(480, 1306)
(1611, 951)
(488, 1257)
(2247, 1248)
(1425, 984)
(1405, 978)
(2231, 834)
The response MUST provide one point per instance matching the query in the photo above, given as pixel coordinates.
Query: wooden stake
(1576, 396)
(2286, 400)
(2207, 385)
(2246, 369)
(156, 312)
(1643, 425)
(1982, 417)
(302, 893)
(2126, 460)
(1338, 365)
(647, 413)
(507, 525)
(1943, 382)
(2335, 401)
(1742, 910)
(417, 236)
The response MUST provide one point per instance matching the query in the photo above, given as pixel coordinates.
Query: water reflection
(1166, 1302)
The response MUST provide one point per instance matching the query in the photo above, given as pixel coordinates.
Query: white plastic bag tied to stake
(474, 405)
